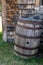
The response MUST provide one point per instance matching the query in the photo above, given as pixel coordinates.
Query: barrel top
(33, 19)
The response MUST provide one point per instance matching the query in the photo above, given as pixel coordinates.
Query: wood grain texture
(4, 20)
(27, 38)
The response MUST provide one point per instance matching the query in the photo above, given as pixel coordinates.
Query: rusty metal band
(28, 37)
(24, 54)
(30, 22)
(25, 48)
(25, 9)
(30, 28)
(10, 30)
(23, 4)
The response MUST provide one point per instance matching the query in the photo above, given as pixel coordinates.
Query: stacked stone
(11, 10)
(11, 20)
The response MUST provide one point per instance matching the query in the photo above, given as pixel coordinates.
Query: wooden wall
(10, 18)
(38, 3)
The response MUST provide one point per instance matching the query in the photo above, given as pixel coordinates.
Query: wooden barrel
(27, 38)
(42, 36)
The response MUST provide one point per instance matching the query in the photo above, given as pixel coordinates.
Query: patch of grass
(0, 36)
(0, 8)
(7, 56)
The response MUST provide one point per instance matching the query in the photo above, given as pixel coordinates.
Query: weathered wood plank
(4, 20)
(26, 38)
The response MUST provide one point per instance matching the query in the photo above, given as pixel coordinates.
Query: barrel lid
(32, 19)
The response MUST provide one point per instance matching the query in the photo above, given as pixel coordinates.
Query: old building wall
(38, 3)
(9, 16)
(8, 19)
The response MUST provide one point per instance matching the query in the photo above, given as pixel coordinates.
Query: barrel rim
(30, 28)
(30, 19)
(30, 22)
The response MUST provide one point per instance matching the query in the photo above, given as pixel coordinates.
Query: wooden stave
(25, 26)
(16, 51)
(32, 49)
(42, 34)
(26, 52)
(27, 37)
(24, 23)
(24, 56)
(26, 49)
(22, 32)
(25, 40)
(31, 22)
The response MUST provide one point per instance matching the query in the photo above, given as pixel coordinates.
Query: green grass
(7, 56)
